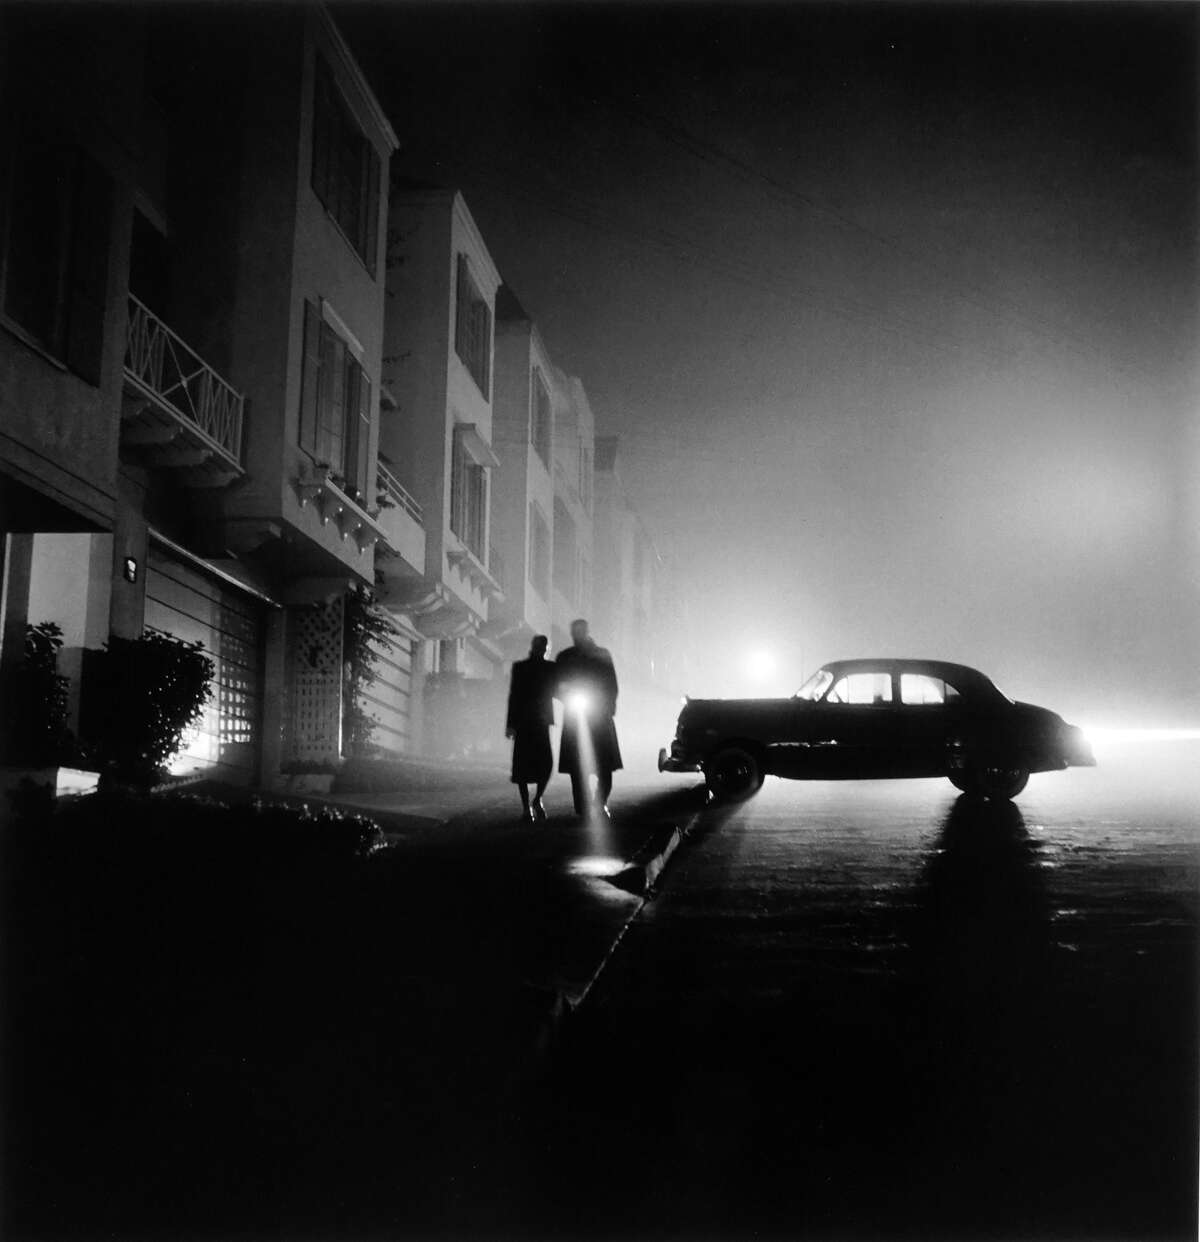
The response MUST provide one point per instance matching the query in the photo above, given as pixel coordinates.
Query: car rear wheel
(733, 774)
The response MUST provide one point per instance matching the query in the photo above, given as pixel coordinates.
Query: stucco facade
(529, 391)
(222, 437)
(436, 437)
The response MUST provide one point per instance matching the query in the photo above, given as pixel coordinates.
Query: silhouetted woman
(530, 715)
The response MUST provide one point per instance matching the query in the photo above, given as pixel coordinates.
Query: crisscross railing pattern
(182, 380)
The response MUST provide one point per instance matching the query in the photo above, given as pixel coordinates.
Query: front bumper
(675, 760)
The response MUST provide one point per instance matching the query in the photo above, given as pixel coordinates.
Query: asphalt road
(881, 1010)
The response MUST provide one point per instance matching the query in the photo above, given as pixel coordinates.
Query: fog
(893, 308)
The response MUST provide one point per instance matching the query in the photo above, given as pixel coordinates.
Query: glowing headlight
(578, 702)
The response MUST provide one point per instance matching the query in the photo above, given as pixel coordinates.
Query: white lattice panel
(315, 683)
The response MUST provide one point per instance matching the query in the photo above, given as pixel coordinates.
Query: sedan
(856, 719)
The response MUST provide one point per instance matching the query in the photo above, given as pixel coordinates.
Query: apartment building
(574, 449)
(189, 409)
(436, 439)
(530, 395)
(628, 573)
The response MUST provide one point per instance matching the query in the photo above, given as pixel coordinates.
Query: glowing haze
(893, 307)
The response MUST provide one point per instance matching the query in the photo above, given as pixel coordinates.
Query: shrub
(35, 712)
(141, 695)
(367, 631)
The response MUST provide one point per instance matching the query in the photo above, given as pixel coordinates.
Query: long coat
(530, 715)
(588, 669)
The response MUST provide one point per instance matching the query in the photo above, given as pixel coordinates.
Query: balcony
(403, 524)
(324, 492)
(178, 413)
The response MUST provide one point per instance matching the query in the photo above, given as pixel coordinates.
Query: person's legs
(604, 782)
(539, 809)
(579, 791)
(523, 790)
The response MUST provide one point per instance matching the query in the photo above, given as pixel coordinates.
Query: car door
(852, 733)
(927, 710)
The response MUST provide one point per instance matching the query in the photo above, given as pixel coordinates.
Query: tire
(961, 781)
(733, 774)
(996, 782)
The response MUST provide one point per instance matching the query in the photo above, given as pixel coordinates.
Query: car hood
(1054, 730)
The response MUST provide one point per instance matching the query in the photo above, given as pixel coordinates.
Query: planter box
(62, 782)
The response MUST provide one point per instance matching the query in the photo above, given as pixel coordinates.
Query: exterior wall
(573, 488)
(434, 392)
(57, 431)
(432, 387)
(292, 251)
(72, 80)
(211, 154)
(521, 479)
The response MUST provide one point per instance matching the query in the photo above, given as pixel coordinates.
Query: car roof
(958, 675)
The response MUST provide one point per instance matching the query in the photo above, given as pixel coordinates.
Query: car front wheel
(994, 781)
(733, 774)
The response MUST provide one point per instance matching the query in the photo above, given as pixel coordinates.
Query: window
(870, 689)
(468, 497)
(920, 690)
(473, 328)
(345, 171)
(335, 404)
(542, 418)
(539, 551)
(566, 554)
(54, 261)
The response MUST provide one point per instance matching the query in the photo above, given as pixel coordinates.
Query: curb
(638, 879)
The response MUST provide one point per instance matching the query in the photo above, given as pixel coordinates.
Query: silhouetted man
(530, 715)
(587, 686)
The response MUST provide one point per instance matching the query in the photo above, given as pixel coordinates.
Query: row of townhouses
(248, 372)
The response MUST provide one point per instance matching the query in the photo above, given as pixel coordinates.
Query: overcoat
(588, 669)
(530, 715)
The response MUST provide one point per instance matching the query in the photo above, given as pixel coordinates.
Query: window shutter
(370, 247)
(483, 344)
(358, 460)
(456, 483)
(88, 289)
(462, 310)
(331, 401)
(311, 379)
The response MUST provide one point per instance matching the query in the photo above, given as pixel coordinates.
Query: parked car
(856, 719)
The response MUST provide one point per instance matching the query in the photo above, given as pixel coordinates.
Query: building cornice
(346, 57)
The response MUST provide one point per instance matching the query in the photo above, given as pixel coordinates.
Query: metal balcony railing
(160, 362)
(395, 491)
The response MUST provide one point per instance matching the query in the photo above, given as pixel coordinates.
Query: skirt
(532, 758)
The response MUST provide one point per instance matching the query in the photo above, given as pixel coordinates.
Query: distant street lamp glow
(759, 664)
(578, 702)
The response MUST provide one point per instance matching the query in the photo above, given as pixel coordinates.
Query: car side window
(862, 690)
(921, 690)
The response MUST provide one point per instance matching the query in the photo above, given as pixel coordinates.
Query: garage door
(189, 604)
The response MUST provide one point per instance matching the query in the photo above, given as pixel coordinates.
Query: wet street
(881, 1010)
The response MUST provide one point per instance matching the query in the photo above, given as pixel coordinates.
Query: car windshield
(816, 685)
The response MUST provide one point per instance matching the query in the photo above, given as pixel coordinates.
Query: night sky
(894, 309)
